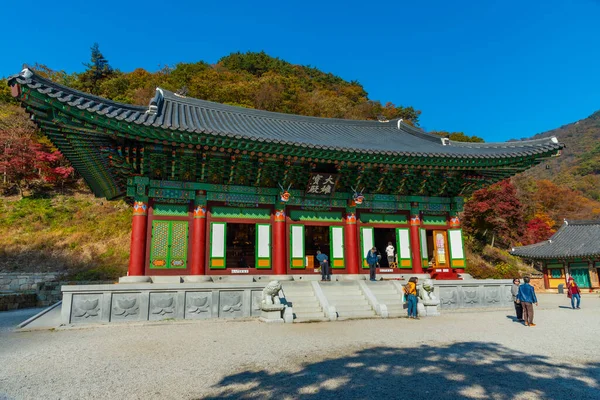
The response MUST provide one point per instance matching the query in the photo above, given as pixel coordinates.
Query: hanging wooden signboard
(321, 183)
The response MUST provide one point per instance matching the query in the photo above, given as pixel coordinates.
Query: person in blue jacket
(527, 298)
(324, 263)
(372, 260)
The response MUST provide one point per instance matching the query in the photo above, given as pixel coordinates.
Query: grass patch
(85, 237)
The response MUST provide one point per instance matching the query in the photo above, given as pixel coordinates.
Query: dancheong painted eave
(574, 239)
(169, 112)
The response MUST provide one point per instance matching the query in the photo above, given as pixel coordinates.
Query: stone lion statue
(426, 294)
(270, 294)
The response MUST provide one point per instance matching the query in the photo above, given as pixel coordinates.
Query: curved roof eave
(168, 110)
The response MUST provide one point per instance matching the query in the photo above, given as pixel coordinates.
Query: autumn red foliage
(494, 215)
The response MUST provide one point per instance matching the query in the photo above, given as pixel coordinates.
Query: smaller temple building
(574, 250)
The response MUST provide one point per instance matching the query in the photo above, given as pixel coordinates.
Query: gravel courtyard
(460, 354)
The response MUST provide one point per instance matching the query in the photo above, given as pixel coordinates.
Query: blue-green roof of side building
(574, 239)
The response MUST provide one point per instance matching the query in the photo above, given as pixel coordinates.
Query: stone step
(345, 298)
(353, 307)
(315, 319)
(356, 314)
(298, 295)
(395, 307)
(302, 309)
(344, 302)
(388, 297)
(342, 293)
(397, 314)
(313, 304)
(384, 291)
(350, 304)
(307, 315)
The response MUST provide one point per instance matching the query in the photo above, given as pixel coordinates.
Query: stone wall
(159, 301)
(15, 281)
(474, 293)
(14, 301)
(538, 284)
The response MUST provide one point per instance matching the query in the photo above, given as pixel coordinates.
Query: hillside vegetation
(50, 221)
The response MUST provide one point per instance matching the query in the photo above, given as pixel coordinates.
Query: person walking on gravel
(573, 292)
(514, 290)
(526, 296)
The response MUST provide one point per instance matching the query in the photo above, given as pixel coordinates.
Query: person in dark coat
(372, 260)
(324, 263)
(514, 290)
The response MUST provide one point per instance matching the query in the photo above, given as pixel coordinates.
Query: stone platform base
(124, 302)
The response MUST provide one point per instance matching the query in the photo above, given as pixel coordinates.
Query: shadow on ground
(461, 370)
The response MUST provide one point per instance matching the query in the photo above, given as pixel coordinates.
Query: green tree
(458, 136)
(97, 71)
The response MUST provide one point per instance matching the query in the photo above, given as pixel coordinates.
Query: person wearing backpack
(410, 290)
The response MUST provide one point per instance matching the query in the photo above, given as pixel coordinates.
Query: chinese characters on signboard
(321, 183)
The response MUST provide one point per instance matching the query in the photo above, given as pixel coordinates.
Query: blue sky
(497, 69)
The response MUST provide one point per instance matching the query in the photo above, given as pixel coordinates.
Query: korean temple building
(573, 251)
(222, 190)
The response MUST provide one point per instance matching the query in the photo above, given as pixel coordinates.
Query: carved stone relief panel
(198, 305)
(86, 308)
(449, 296)
(162, 306)
(125, 307)
(471, 296)
(507, 295)
(231, 304)
(256, 300)
(492, 296)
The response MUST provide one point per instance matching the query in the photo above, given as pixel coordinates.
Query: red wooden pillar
(546, 280)
(198, 240)
(279, 247)
(415, 243)
(351, 243)
(137, 253)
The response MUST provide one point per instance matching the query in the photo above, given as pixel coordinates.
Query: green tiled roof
(575, 239)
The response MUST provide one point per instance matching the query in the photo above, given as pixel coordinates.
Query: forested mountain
(49, 220)
(579, 166)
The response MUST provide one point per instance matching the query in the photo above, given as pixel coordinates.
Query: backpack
(407, 289)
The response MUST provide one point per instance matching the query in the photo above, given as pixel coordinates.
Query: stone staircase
(389, 294)
(348, 300)
(305, 305)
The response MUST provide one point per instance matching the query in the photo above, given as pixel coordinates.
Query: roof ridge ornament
(26, 73)
(156, 102)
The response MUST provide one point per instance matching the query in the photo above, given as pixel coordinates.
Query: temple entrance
(241, 245)
(437, 248)
(384, 236)
(317, 238)
(307, 239)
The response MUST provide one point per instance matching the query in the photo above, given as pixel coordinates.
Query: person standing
(573, 292)
(389, 250)
(324, 263)
(372, 260)
(410, 290)
(526, 296)
(514, 290)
